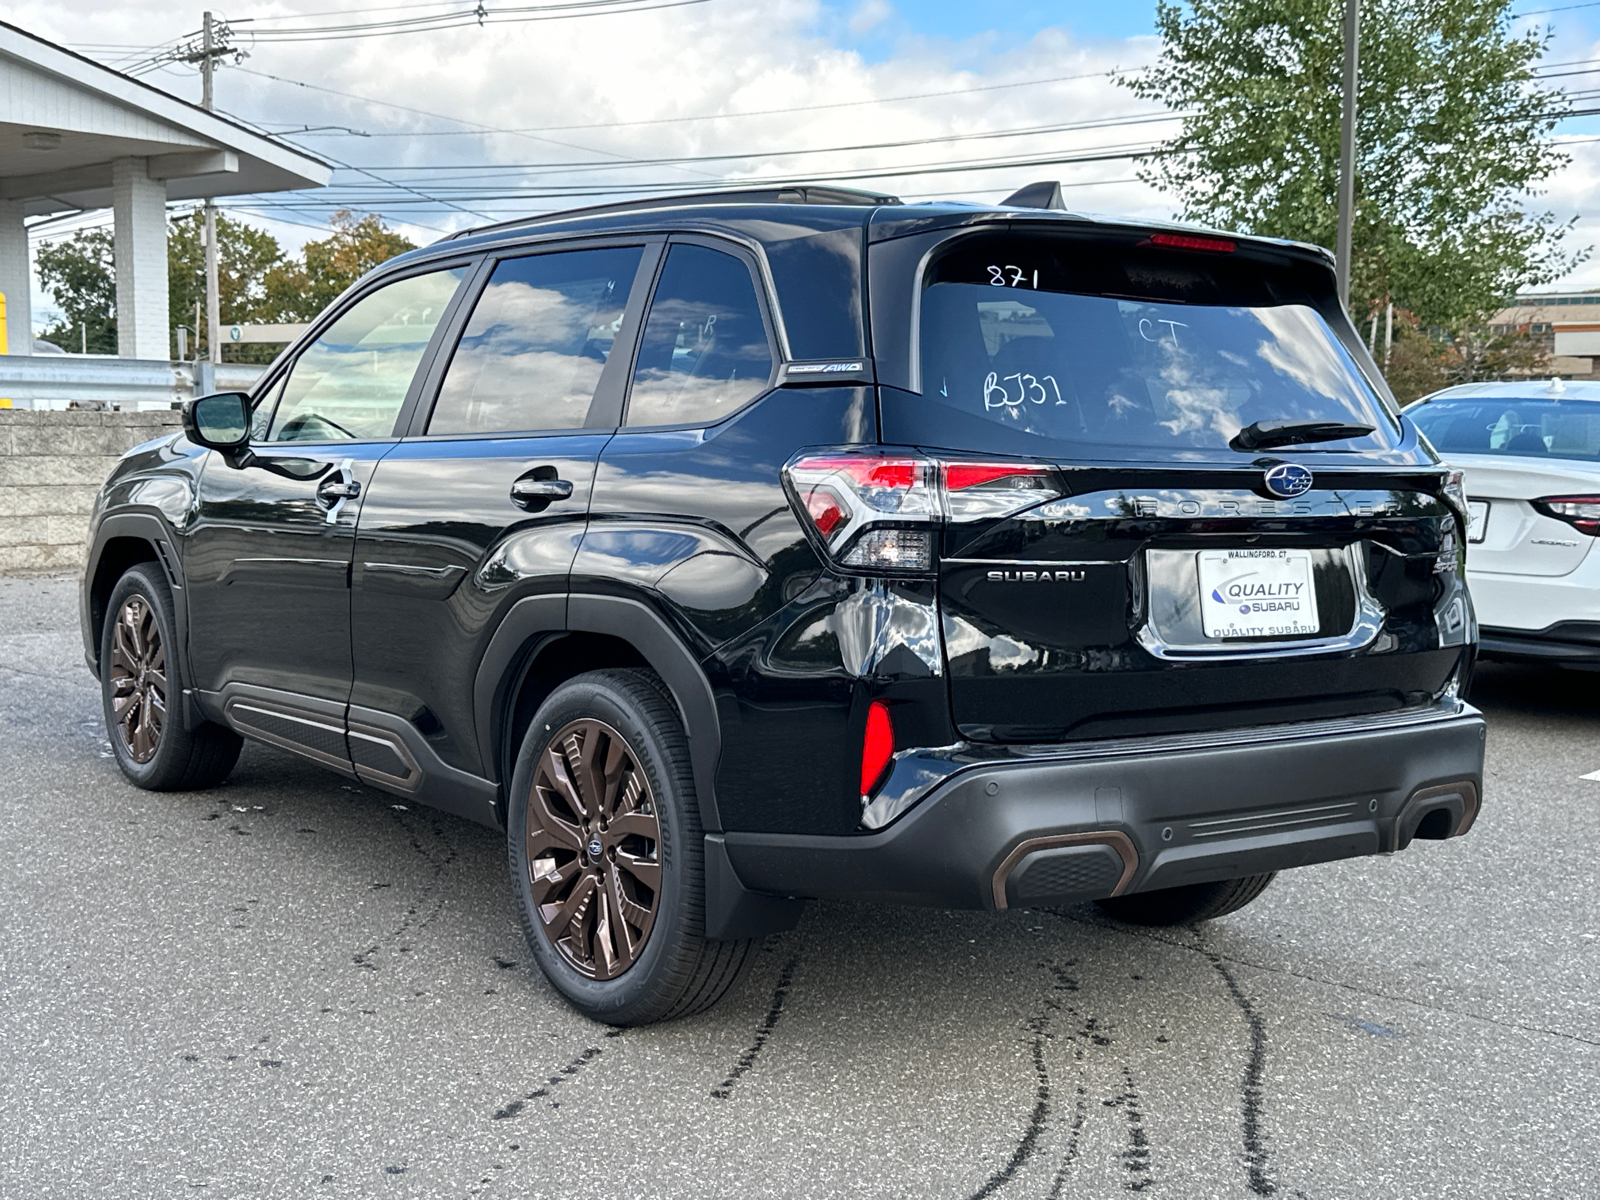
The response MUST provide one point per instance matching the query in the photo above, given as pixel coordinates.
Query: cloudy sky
(446, 129)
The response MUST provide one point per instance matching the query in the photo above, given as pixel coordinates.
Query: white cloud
(869, 14)
(721, 57)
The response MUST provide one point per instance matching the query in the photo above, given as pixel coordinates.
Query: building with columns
(75, 135)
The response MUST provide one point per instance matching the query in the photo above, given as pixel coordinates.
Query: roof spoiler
(1046, 194)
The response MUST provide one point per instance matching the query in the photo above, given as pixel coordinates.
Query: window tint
(704, 351)
(1512, 427)
(538, 339)
(1013, 335)
(350, 382)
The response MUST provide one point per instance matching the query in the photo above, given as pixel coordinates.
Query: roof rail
(797, 194)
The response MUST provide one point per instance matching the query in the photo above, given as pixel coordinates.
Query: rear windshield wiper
(1260, 434)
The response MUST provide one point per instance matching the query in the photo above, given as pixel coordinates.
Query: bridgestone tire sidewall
(144, 581)
(645, 991)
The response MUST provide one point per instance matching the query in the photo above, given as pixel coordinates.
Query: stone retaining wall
(51, 465)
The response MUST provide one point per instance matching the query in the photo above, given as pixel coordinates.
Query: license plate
(1257, 594)
(1477, 519)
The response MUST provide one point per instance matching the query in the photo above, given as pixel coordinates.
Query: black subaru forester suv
(732, 550)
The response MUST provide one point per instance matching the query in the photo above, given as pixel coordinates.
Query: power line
(985, 135)
(764, 112)
(437, 116)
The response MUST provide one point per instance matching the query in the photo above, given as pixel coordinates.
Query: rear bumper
(1575, 643)
(1071, 826)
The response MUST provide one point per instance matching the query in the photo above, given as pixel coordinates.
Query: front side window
(539, 337)
(1511, 427)
(349, 384)
(1130, 351)
(704, 352)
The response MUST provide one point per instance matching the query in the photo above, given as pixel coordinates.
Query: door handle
(524, 490)
(336, 488)
(339, 489)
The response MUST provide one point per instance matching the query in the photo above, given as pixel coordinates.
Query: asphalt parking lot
(293, 986)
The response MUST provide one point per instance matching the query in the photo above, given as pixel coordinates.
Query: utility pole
(214, 37)
(1347, 147)
(208, 65)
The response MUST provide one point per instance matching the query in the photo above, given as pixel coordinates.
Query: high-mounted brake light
(877, 748)
(880, 512)
(1581, 512)
(1190, 241)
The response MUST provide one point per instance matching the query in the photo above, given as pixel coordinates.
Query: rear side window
(704, 352)
(349, 384)
(1512, 427)
(1144, 349)
(531, 356)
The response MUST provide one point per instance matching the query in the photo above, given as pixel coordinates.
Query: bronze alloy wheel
(593, 845)
(138, 670)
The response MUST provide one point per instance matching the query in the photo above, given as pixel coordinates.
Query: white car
(1531, 454)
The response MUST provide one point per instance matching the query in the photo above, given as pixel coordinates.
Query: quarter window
(349, 384)
(704, 352)
(539, 337)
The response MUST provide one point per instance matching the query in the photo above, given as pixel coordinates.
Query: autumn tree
(298, 290)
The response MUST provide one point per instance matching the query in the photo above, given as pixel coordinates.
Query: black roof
(800, 194)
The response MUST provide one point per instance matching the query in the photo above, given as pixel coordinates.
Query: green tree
(77, 274)
(1451, 138)
(256, 281)
(299, 290)
(245, 257)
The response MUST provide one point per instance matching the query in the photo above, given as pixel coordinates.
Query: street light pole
(1347, 147)
(208, 63)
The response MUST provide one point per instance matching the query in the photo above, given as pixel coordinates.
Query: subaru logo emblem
(1288, 480)
(595, 847)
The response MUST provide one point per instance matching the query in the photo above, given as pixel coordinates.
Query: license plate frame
(1250, 594)
(1477, 520)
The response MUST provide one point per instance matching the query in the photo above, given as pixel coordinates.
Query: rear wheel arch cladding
(664, 652)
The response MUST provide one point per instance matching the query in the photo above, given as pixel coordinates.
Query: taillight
(976, 490)
(877, 748)
(1581, 512)
(873, 512)
(882, 512)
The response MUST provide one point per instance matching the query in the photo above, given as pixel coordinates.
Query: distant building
(1567, 324)
(75, 136)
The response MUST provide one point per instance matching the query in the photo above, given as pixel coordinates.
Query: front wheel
(141, 683)
(1186, 905)
(607, 854)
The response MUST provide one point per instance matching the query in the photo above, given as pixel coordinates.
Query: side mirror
(220, 422)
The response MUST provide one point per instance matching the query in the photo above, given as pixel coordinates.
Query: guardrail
(55, 381)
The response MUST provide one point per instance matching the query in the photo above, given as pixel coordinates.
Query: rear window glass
(1134, 348)
(1512, 427)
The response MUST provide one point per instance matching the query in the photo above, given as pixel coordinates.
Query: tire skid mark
(1136, 1158)
(430, 897)
(564, 1075)
(1255, 1145)
(1080, 1113)
(1040, 1117)
(780, 993)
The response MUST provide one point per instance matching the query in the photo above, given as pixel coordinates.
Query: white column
(16, 278)
(139, 210)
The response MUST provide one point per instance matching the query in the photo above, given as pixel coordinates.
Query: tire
(621, 951)
(140, 671)
(1187, 905)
